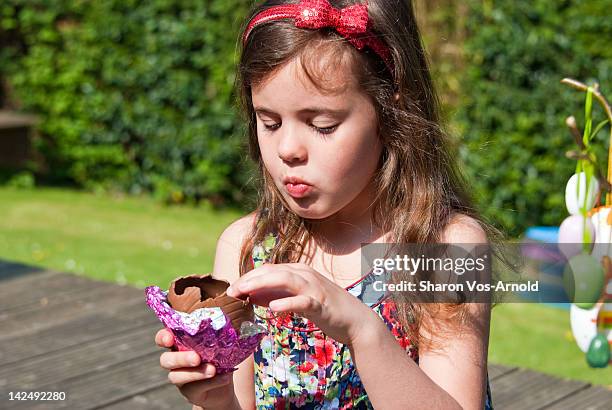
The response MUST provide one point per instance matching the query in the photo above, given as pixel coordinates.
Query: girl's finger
(163, 338)
(299, 303)
(195, 389)
(264, 269)
(279, 280)
(186, 375)
(175, 360)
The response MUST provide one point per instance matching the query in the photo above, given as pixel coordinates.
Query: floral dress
(298, 366)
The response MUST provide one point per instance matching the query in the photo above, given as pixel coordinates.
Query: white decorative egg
(584, 325)
(575, 195)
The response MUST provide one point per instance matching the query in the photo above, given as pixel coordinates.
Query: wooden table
(95, 341)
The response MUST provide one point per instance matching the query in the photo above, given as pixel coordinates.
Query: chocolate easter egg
(189, 293)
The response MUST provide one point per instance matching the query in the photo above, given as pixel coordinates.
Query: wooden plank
(169, 398)
(591, 398)
(24, 294)
(61, 309)
(83, 329)
(54, 367)
(526, 389)
(498, 370)
(87, 291)
(19, 278)
(163, 398)
(104, 385)
(13, 270)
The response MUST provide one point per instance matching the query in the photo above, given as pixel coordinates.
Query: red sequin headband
(351, 22)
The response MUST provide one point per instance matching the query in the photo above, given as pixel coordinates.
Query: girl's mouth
(298, 190)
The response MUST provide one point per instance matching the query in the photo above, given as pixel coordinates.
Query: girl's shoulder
(463, 228)
(227, 254)
(238, 229)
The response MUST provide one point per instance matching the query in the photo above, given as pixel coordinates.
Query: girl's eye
(272, 127)
(326, 130)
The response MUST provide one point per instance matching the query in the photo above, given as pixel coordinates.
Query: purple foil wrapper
(224, 347)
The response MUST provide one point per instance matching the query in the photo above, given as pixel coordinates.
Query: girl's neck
(345, 231)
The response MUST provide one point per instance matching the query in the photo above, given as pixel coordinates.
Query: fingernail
(210, 372)
(229, 291)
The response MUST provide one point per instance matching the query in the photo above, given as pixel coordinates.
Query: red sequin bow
(315, 14)
(351, 22)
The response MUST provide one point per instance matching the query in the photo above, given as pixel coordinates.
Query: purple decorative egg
(571, 234)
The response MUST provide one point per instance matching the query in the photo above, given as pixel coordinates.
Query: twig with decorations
(585, 236)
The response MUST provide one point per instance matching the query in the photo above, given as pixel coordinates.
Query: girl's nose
(291, 147)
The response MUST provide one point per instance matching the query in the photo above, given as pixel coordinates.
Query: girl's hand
(296, 287)
(196, 381)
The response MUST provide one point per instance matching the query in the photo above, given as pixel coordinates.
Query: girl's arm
(227, 259)
(452, 377)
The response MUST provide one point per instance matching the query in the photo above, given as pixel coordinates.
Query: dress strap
(262, 250)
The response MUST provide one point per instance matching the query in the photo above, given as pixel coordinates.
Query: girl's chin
(305, 209)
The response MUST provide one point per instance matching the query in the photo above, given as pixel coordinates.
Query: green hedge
(513, 112)
(138, 95)
(133, 95)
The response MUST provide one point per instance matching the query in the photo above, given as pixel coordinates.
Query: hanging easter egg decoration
(571, 234)
(578, 193)
(598, 354)
(584, 325)
(583, 280)
(601, 218)
(587, 279)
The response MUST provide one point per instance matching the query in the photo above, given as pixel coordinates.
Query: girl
(344, 128)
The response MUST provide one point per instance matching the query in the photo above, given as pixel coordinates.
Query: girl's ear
(396, 97)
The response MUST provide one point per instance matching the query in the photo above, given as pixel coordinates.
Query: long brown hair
(418, 185)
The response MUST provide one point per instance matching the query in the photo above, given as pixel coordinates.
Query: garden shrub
(132, 95)
(513, 108)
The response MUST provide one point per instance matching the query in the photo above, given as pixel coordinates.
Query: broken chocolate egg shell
(189, 293)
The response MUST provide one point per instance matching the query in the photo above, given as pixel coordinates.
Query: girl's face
(320, 149)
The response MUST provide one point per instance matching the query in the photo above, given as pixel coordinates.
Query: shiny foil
(207, 331)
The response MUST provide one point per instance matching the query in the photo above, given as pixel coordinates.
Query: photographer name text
(472, 286)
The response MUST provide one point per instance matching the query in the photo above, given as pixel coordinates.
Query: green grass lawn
(539, 337)
(127, 240)
(138, 241)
